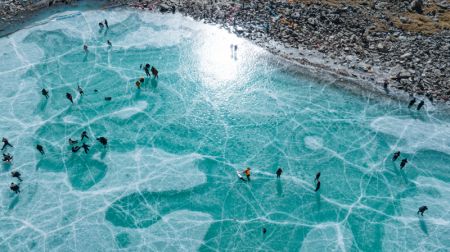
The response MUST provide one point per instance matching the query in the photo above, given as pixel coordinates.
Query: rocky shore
(17, 11)
(397, 45)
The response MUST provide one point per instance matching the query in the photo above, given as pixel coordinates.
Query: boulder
(417, 6)
(364, 67)
(381, 47)
(406, 55)
(405, 20)
(164, 8)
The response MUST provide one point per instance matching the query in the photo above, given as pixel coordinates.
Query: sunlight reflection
(219, 62)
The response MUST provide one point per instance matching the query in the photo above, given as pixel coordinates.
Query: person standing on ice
(412, 102)
(247, 173)
(420, 105)
(80, 90)
(83, 135)
(154, 72)
(5, 143)
(317, 186)
(147, 70)
(85, 48)
(396, 155)
(317, 177)
(317, 182)
(106, 24)
(44, 93)
(16, 174)
(85, 147)
(15, 188)
(40, 149)
(279, 171)
(422, 209)
(7, 158)
(69, 97)
(403, 163)
(103, 141)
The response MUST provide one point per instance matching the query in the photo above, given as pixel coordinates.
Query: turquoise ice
(167, 181)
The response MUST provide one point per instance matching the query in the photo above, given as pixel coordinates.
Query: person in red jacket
(247, 173)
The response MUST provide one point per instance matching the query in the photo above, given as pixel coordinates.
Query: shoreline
(314, 62)
(431, 84)
(32, 13)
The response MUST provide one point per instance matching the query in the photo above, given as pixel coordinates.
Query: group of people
(68, 95)
(278, 173)
(7, 158)
(403, 162)
(413, 101)
(102, 25)
(148, 69)
(75, 147)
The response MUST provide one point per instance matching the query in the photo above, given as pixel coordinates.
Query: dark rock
(417, 6)
(164, 8)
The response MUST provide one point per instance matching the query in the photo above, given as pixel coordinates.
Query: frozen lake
(167, 179)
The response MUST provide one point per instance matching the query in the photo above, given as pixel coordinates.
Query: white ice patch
(417, 134)
(313, 142)
(153, 170)
(146, 36)
(328, 237)
(70, 119)
(128, 112)
(178, 231)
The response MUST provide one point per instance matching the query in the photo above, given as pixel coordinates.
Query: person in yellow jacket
(247, 173)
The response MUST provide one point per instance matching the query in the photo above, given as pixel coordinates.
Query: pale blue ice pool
(167, 180)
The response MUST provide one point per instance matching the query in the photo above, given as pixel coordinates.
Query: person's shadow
(137, 94)
(6, 166)
(318, 202)
(423, 225)
(43, 104)
(14, 202)
(400, 172)
(279, 188)
(403, 174)
(154, 83)
(103, 153)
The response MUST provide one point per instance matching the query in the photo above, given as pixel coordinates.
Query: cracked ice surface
(167, 181)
